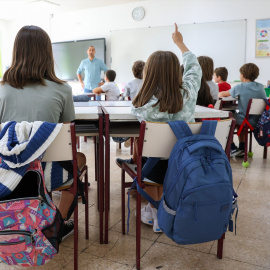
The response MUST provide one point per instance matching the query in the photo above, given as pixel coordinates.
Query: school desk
(119, 122)
(89, 122)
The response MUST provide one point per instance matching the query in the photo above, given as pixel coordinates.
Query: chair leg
(246, 143)
(250, 141)
(119, 145)
(138, 232)
(96, 157)
(76, 238)
(265, 152)
(131, 145)
(86, 204)
(220, 246)
(85, 138)
(123, 200)
(78, 142)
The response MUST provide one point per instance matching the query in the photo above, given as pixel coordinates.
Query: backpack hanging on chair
(198, 197)
(30, 224)
(262, 130)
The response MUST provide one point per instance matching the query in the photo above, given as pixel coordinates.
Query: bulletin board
(263, 38)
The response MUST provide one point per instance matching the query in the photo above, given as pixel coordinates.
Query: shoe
(155, 223)
(146, 215)
(127, 143)
(241, 154)
(120, 161)
(235, 152)
(68, 229)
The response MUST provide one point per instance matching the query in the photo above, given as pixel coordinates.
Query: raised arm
(178, 40)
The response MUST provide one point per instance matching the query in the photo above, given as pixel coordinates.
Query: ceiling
(11, 9)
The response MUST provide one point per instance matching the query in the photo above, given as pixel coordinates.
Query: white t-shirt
(111, 90)
(132, 88)
(213, 89)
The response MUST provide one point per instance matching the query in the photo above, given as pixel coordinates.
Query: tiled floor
(248, 250)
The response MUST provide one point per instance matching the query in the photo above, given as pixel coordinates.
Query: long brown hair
(162, 78)
(204, 97)
(207, 66)
(32, 59)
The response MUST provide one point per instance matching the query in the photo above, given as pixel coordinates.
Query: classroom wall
(98, 22)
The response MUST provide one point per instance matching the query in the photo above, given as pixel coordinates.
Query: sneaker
(146, 214)
(235, 152)
(68, 229)
(155, 223)
(127, 143)
(120, 161)
(241, 154)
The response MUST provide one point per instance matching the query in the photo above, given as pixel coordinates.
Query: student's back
(35, 102)
(133, 87)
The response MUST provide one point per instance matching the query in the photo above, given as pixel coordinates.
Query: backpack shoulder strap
(180, 129)
(209, 127)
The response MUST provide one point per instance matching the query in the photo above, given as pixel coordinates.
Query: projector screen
(225, 42)
(68, 56)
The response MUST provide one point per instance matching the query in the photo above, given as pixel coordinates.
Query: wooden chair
(64, 148)
(255, 107)
(149, 145)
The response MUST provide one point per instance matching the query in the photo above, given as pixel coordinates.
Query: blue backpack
(197, 201)
(262, 130)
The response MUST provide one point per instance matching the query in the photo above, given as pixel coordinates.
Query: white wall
(98, 22)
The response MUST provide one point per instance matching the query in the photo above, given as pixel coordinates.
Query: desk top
(87, 104)
(124, 113)
(124, 103)
(230, 98)
(86, 113)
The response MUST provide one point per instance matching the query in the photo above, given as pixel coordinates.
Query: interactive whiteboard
(225, 42)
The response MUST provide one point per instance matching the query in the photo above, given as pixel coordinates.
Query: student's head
(137, 69)
(162, 78)
(249, 71)
(32, 59)
(110, 75)
(207, 66)
(91, 52)
(220, 74)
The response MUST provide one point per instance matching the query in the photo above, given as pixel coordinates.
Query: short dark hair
(222, 72)
(110, 74)
(137, 69)
(250, 71)
(207, 66)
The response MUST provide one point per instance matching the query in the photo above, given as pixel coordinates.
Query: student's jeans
(98, 97)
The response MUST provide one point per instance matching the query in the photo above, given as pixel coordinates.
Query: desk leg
(101, 179)
(107, 179)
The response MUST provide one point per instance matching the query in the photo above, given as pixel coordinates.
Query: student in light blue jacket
(165, 96)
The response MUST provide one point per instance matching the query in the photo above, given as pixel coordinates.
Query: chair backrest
(255, 106)
(159, 138)
(61, 148)
(218, 104)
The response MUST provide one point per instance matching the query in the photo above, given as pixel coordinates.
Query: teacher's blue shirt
(92, 70)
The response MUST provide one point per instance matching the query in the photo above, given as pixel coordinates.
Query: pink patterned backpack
(29, 222)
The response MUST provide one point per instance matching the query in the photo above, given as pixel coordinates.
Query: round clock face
(138, 13)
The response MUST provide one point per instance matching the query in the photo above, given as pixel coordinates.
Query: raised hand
(177, 36)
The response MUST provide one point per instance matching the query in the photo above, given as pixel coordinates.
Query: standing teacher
(91, 67)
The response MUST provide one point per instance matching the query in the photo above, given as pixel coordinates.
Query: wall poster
(263, 38)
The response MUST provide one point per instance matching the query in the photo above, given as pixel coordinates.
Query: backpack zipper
(8, 232)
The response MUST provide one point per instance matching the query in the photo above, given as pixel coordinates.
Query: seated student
(220, 77)
(133, 87)
(30, 91)
(204, 97)
(109, 87)
(207, 66)
(165, 96)
(245, 91)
